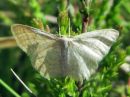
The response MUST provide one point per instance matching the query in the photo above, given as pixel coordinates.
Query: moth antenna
(89, 2)
(29, 90)
(59, 32)
(69, 27)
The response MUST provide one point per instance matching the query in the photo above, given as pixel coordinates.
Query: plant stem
(9, 88)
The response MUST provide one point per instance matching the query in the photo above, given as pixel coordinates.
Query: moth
(54, 56)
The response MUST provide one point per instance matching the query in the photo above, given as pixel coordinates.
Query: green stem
(9, 88)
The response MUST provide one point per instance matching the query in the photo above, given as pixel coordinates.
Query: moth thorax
(64, 55)
(64, 42)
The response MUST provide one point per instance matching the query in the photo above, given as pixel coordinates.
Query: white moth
(54, 56)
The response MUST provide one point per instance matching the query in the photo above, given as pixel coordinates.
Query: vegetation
(109, 81)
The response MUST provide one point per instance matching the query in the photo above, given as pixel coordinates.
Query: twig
(10, 14)
(51, 19)
(7, 42)
(85, 14)
(85, 21)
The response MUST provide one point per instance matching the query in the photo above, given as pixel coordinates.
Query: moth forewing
(93, 47)
(26, 36)
(106, 33)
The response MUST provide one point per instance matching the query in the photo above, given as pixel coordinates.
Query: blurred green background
(109, 81)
